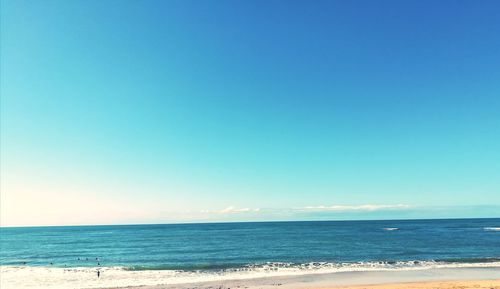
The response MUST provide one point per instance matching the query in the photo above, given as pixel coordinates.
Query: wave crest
(492, 229)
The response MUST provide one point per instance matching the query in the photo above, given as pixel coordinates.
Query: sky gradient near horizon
(166, 111)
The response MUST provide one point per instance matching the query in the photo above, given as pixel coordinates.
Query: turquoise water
(225, 246)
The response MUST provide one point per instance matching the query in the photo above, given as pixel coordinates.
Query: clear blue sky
(153, 111)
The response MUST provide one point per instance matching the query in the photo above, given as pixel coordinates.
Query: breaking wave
(81, 277)
(492, 229)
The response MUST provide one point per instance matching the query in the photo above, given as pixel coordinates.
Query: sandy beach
(455, 284)
(54, 278)
(468, 284)
(476, 284)
(447, 278)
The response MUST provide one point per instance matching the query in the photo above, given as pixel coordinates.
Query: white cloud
(232, 210)
(333, 208)
(341, 208)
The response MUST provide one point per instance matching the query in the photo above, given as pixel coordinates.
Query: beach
(463, 278)
(462, 284)
(81, 278)
(454, 278)
(482, 284)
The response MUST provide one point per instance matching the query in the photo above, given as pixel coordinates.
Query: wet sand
(475, 284)
(470, 284)
(455, 278)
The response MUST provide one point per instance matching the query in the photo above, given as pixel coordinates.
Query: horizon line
(239, 222)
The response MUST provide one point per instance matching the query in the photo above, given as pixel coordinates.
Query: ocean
(270, 246)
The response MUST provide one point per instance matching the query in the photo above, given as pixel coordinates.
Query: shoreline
(58, 278)
(446, 284)
(352, 280)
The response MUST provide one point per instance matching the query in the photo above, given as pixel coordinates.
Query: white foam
(390, 229)
(491, 228)
(25, 277)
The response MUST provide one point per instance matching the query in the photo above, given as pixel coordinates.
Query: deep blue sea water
(242, 245)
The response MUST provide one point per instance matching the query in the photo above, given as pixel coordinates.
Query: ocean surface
(226, 247)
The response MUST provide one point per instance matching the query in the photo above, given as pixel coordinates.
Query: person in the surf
(98, 273)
